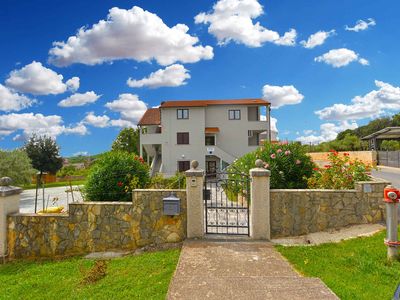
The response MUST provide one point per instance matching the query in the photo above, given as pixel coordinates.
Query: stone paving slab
(240, 270)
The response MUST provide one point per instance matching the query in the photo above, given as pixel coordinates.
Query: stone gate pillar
(195, 202)
(260, 202)
(9, 203)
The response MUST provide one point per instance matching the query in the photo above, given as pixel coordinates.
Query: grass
(55, 184)
(353, 269)
(145, 276)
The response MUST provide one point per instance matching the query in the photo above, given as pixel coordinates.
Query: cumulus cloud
(96, 121)
(79, 99)
(340, 58)
(73, 84)
(317, 39)
(232, 20)
(130, 34)
(328, 132)
(39, 124)
(385, 98)
(281, 95)
(12, 101)
(361, 25)
(130, 107)
(38, 80)
(171, 76)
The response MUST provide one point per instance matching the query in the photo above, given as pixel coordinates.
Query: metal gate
(389, 158)
(226, 203)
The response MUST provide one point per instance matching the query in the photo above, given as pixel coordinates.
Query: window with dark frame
(182, 138)
(182, 113)
(210, 140)
(234, 114)
(183, 165)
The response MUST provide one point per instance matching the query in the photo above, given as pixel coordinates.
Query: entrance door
(211, 168)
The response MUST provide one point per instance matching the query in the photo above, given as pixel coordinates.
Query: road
(27, 202)
(389, 174)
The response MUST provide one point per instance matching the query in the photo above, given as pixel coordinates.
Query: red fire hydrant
(391, 198)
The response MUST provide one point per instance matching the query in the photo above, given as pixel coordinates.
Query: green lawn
(146, 276)
(353, 269)
(55, 184)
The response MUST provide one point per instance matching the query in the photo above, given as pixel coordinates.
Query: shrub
(390, 145)
(115, 175)
(16, 165)
(340, 173)
(289, 164)
(178, 181)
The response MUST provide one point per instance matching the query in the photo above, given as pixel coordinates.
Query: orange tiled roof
(151, 117)
(200, 103)
(211, 130)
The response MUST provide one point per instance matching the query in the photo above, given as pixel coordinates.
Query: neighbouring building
(213, 132)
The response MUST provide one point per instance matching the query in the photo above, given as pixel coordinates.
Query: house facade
(213, 132)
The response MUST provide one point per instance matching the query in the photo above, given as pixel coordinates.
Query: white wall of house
(232, 140)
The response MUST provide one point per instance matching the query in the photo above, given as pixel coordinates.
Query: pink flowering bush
(289, 164)
(341, 173)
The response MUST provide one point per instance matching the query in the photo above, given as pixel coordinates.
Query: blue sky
(325, 65)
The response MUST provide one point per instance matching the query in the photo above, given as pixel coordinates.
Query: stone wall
(299, 212)
(97, 226)
(367, 157)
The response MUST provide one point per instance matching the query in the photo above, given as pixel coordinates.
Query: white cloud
(130, 107)
(385, 98)
(281, 95)
(12, 101)
(73, 84)
(171, 76)
(317, 39)
(79, 99)
(361, 25)
(38, 80)
(81, 153)
(328, 132)
(232, 20)
(96, 121)
(340, 58)
(130, 34)
(122, 123)
(274, 123)
(39, 124)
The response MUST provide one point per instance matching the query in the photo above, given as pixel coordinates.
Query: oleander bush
(115, 175)
(340, 174)
(289, 164)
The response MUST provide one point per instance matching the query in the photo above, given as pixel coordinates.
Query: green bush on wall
(115, 175)
(289, 164)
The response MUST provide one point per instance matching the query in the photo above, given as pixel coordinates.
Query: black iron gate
(226, 203)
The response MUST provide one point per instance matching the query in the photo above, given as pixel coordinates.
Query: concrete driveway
(27, 202)
(389, 174)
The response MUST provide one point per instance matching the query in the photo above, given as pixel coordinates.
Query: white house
(213, 132)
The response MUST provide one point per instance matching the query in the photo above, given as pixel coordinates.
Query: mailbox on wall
(171, 205)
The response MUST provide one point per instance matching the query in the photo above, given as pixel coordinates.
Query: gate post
(9, 203)
(195, 202)
(260, 202)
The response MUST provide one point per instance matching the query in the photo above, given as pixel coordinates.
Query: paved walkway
(240, 270)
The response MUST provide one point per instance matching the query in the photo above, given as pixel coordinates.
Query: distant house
(213, 132)
(376, 138)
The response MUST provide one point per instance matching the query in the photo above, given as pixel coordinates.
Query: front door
(211, 168)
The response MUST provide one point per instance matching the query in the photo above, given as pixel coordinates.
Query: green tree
(390, 145)
(43, 151)
(16, 165)
(127, 140)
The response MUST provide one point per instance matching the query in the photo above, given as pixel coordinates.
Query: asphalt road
(389, 174)
(27, 202)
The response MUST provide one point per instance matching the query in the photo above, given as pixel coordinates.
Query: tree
(16, 165)
(127, 140)
(44, 154)
(390, 145)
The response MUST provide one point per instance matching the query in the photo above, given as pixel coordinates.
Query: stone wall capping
(127, 203)
(311, 191)
(57, 215)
